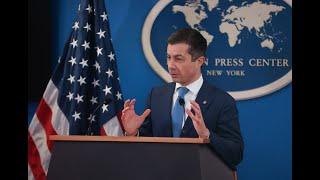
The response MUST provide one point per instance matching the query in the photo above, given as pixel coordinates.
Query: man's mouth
(173, 75)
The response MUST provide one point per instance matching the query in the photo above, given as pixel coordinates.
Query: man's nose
(170, 64)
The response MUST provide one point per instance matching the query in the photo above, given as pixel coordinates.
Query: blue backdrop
(266, 122)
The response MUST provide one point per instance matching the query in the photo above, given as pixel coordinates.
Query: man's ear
(201, 60)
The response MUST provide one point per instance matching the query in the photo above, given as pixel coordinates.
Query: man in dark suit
(189, 106)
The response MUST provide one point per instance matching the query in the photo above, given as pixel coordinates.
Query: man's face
(180, 65)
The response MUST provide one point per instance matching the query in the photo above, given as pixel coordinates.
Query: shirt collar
(194, 87)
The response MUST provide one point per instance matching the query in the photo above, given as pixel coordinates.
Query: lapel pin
(204, 102)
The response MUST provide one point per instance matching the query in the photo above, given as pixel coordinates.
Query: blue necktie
(178, 112)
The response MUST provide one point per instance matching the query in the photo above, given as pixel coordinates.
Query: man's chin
(176, 80)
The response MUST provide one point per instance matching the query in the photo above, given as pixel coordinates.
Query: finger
(126, 103)
(190, 114)
(195, 104)
(131, 104)
(145, 113)
(125, 109)
(132, 101)
(197, 111)
(193, 118)
(123, 117)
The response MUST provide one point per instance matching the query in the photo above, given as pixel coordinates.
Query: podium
(130, 158)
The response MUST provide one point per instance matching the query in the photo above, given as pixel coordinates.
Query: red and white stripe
(50, 120)
(112, 127)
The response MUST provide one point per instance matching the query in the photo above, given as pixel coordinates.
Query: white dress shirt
(191, 95)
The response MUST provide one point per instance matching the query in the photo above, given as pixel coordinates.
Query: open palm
(130, 120)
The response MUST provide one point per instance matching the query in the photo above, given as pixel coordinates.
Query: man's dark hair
(197, 43)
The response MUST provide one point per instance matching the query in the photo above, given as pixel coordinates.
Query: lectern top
(129, 139)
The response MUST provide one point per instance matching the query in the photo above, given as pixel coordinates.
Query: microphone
(106, 101)
(181, 102)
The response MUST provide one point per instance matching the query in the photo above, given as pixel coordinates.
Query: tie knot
(182, 91)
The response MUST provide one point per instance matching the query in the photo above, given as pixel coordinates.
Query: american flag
(83, 95)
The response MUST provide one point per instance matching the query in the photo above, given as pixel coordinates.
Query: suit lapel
(203, 99)
(166, 111)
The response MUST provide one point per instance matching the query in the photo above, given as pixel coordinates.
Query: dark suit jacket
(220, 115)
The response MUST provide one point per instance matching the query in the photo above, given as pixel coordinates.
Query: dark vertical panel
(39, 47)
(305, 73)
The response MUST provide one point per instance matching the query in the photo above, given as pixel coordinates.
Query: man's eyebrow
(176, 55)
